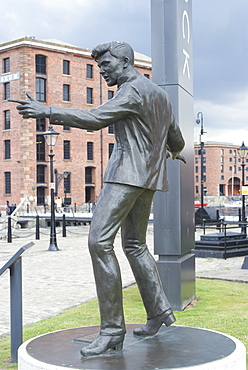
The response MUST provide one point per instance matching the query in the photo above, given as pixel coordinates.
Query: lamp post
(51, 137)
(199, 120)
(58, 178)
(243, 151)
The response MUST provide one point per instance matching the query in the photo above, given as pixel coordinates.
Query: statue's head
(114, 59)
(117, 49)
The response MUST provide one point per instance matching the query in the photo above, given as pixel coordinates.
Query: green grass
(221, 306)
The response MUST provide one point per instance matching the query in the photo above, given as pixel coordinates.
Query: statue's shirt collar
(127, 77)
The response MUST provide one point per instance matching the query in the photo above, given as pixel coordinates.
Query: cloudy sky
(220, 46)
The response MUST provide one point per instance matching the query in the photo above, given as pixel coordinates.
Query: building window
(40, 174)
(221, 168)
(6, 120)
(196, 169)
(204, 168)
(67, 149)
(66, 67)
(41, 89)
(67, 184)
(111, 129)
(90, 151)
(204, 178)
(110, 94)
(40, 195)
(89, 94)
(196, 178)
(66, 92)
(6, 149)
(7, 176)
(147, 76)
(40, 63)
(230, 159)
(6, 90)
(41, 124)
(111, 147)
(196, 160)
(66, 128)
(6, 65)
(197, 189)
(230, 151)
(230, 168)
(89, 71)
(89, 175)
(222, 177)
(40, 148)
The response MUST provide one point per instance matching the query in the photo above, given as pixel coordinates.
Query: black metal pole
(243, 229)
(37, 229)
(9, 230)
(16, 307)
(53, 241)
(202, 182)
(64, 227)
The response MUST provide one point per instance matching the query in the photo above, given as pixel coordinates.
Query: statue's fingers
(17, 101)
(30, 96)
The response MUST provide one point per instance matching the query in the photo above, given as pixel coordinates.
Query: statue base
(175, 347)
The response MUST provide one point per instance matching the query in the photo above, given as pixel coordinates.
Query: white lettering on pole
(185, 20)
(186, 36)
(186, 63)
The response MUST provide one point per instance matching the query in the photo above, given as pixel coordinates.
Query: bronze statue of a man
(146, 133)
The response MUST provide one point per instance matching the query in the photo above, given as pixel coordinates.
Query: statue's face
(111, 68)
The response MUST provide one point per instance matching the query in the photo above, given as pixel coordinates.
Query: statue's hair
(116, 48)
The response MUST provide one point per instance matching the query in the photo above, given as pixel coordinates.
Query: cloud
(81, 22)
(224, 122)
(220, 53)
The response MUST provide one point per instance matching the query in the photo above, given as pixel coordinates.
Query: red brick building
(59, 74)
(222, 173)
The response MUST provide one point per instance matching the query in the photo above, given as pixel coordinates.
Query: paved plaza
(55, 281)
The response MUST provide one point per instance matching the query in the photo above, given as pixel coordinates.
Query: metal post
(64, 226)
(37, 233)
(174, 211)
(200, 120)
(53, 241)
(16, 307)
(243, 228)
(9, 230)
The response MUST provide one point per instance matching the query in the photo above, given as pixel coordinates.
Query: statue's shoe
(103, 343)
(153, 325)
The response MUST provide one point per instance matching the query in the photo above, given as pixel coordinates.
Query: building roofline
(217, 143)
(52, 44)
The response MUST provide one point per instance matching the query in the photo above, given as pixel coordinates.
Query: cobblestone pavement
(55, 281)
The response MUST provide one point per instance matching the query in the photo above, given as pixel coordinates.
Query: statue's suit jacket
(144, 127)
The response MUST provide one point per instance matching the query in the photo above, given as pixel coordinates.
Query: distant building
(222, 174)
(60, 74)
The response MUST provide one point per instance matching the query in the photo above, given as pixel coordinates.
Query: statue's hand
(31, 108)
(180, 158)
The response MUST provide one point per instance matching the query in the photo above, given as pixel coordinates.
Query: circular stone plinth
(176, 347)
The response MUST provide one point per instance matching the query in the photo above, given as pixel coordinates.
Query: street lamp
(199, 120)
(243, 151)
(58, 178)
(51, 137)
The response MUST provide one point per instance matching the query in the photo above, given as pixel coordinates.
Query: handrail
(15, 266)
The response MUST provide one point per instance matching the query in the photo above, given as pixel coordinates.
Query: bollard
(37, 233)
(64, 226)
(9, 230)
